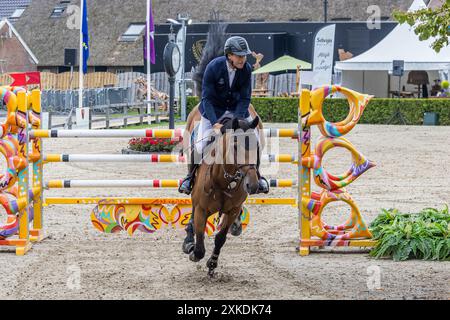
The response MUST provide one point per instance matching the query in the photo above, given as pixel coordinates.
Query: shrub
(379, 111)
(402, 236)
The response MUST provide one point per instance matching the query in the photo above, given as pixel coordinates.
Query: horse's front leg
(189, 241)
(220, 240)
(199, 228)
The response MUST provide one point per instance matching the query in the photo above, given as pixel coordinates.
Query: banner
(152, 35)
(26, 78)
(323, 56)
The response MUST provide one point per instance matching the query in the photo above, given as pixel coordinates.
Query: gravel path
(413, 172)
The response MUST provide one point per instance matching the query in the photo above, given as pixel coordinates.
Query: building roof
(8, 7)
(280, 10)
(109, 19)
(17, 35)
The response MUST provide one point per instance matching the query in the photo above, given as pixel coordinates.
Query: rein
(238, 175)
(234, 181)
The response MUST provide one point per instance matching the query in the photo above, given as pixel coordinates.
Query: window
(256, 20)
(63, 69)
(299, 19)
(133, 32)
(139, 69)
(17, 13)
(60, 9)
(341, 19)
(100, 69)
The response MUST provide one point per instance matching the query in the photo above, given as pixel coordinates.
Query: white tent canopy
(401, 44)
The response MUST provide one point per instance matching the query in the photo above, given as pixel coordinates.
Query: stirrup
(185, 189)
(265, 190)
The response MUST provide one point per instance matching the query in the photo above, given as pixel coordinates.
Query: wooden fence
(64, 81)
(276, 85)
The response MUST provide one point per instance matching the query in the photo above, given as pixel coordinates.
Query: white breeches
(205, 130)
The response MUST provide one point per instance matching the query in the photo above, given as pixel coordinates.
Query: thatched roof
(279, 10)
(7, 7)
(109, 19)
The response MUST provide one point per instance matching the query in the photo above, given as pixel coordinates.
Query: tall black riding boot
(188, 182)
(264, 186)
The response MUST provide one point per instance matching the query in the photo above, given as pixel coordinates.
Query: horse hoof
(236, 229)
(211, 273)
(188, 248)
(193, 258)
(211, 264)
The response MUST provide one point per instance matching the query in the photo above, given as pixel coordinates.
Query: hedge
(379, 111)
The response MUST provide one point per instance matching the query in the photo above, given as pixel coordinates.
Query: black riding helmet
(237, 45)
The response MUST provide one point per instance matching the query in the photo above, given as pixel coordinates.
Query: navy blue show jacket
(218, 97)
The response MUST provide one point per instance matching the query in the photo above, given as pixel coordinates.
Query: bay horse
(222, 186)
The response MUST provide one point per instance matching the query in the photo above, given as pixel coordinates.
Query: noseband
(235, 180)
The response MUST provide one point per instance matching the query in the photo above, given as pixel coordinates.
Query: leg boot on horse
(220, 239)
(199, 229)
(189, 241)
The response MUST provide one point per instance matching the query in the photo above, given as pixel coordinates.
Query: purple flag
(152, 36)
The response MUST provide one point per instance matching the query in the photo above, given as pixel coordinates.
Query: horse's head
(240, 143)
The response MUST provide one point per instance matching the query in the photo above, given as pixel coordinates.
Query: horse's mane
(213, 48)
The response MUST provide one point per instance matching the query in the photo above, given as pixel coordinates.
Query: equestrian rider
(226, 91)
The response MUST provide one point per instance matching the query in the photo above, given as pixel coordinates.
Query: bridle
(234, 181)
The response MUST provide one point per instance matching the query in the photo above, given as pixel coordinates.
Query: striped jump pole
(153, 201)
(144, 133)
(67, 184)
(153, 158)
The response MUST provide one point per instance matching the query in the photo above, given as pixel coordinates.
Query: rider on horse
(226, 92)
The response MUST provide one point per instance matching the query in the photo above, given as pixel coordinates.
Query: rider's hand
(217, 127)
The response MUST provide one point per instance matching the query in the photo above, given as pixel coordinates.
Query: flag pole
(80, 73)
(149, 63)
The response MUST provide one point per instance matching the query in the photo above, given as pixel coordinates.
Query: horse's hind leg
(199, 227)
(189, 241)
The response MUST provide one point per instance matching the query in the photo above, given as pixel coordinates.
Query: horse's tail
(213, 48)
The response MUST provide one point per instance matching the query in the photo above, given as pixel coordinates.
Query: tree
(429, 23)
